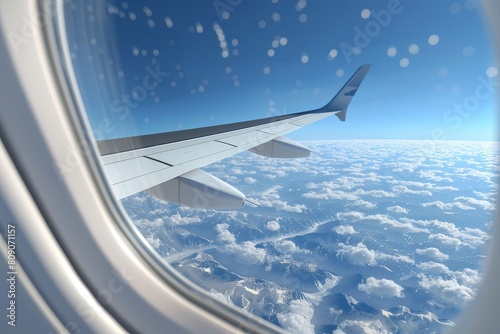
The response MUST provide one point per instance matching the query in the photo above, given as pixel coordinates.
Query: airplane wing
(166, 165)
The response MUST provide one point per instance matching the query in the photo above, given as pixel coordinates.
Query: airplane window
(382, 228)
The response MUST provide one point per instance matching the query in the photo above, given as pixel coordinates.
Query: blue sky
(433, 73)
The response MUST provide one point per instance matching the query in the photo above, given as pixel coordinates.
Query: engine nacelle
(281, 147)
(200, 190)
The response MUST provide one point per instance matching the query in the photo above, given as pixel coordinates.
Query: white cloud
(453, 236)
(281, 205)
(434, 253)
(434, 268)
(374, 193)
(397, 209)
(297, 318)
(250, 180)
(236, 171)
(448, 206)
(154, 242)
(224, 234)
(405, 190)
(353, 215)
(450, 291)
(446, 240)
(364, 204)
(273, 225)
(381, 287)
(287, 246)
(344, 229)
(426, 185)
(246, 252)
(481, 203)
(381, 219)
(358, 255)
(177, 219)
(328, 193)
(365, 326)
(270, 199)
(431, 175)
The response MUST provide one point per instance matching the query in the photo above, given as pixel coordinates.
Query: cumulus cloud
(381, 219)
(425, 185)
(223, 233)
(486, 205)
(154, 242)
(434, 253)
(363, 204)
(328, 193)
(177, 219)
(374, 193)
(246, 252)
(353, 215)
(271, 199)
(381, 287)
(365, 326)
(250, 180)
(431, 175)
(360, 255)
(452, 236)
(273, 225)
(344, 229)
(446, 240)
(449, 290)
(448, 206)
(283, 205)
(287, 246)
(397, 209)
(434, 268)
(405, 190)
(297, 318)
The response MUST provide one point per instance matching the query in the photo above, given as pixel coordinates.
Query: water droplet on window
(433, 39)
(168, 22)
(332, 54)
(392, 52)
(404, 62)
(413, 49)
(492, 72)
(366, 13)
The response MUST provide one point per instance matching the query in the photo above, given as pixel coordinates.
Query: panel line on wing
(162, 162)
(223, 142)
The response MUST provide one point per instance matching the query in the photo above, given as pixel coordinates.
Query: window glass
(385, 226)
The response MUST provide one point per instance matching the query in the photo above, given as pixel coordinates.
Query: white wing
(167, 164)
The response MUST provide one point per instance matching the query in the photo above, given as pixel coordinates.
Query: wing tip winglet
(341, 101)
